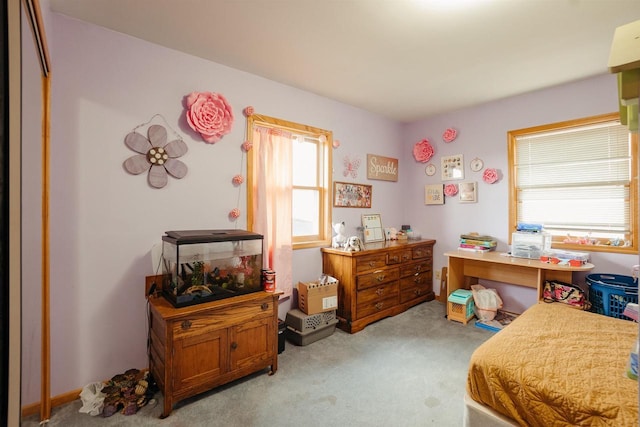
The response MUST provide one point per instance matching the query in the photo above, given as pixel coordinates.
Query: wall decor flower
(490, 175)
(235, 213)
(237, 179)
(156, 155)
(423, 151)
(335, 143)
(210, 115)
(450, 190)
(248, 111)
(449, 134)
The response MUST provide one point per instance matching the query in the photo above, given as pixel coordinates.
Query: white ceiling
(403, 59)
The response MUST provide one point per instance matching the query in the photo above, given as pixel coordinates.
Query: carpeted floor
(408, 370)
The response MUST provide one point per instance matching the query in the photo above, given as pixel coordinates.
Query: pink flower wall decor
(336, 143)
(210, 115)
(238, 179)
(248, 111)
(247, 145)
(449, 135)
(423, 151)
(490, 175)
(235, 213)
(450, 190)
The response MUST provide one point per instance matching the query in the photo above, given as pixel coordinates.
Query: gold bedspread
(558, 366)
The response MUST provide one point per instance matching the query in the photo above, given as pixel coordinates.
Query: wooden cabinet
(196, 348)
(383, 280)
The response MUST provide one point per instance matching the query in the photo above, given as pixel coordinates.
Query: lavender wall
(104, 221)
(482, 133)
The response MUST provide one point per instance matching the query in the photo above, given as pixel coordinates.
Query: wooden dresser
(383, 280)
(193, 349)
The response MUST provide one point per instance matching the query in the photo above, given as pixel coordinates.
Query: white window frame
(561, 241)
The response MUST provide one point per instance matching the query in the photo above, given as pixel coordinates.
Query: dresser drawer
(374, 300)
(377, 277)
(396, 257)
(424, 251)
(415, 286)
(415, 267)
(370, 262)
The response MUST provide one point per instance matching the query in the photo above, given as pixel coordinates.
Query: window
(310, 176)
(578, 179)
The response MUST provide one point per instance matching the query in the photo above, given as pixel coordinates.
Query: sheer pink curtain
(272, 201)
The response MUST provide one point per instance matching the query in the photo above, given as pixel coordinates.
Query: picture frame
(434, 194)
(452, 167)
(372, 228)
(351, 195)
(468, 192)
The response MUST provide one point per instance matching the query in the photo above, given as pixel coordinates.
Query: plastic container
(610, 293)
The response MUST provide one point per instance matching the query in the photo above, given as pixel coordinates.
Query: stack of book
(477, 243)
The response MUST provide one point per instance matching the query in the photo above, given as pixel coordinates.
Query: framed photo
(468, 192)
(350, 195)
(433, 194)
(372, 225)
(452, 167)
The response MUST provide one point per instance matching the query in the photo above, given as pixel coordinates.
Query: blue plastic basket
(610, 293)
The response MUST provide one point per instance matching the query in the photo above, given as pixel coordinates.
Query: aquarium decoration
(156, 155)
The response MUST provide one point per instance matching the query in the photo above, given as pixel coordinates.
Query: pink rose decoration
(336, 143)
(235, 213)
(450, 190)
(248, 111)
(449, 135)
(423, 151)
(247, 145)
(490, 175)
(238, 179)
(210, 115)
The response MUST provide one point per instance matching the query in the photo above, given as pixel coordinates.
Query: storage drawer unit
(383, 280)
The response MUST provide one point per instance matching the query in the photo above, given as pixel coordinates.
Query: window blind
(575, 181)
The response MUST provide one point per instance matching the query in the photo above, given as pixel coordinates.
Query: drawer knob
(372, 263)
(380, 291)
(264, 306)
(406, 257)
(417, 292)
(379, 306)
(234, 345)
(417, 279)
(395, 258)
(380, 278)
(418, 267)
(186, 324)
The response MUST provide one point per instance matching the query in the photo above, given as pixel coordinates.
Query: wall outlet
(437, 274)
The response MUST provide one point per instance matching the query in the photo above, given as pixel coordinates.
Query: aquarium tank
(206, 265)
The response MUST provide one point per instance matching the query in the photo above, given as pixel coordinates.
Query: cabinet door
(252, 343)
(199, 359)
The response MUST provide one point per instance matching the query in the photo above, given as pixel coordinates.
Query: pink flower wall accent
(248, 111)
(423, 151)
(235, 213)
(210, 115)
(449, 135)
(490, 175)
(238, 179)
(450, 190)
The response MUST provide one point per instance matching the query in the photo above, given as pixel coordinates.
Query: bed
(554, 366)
